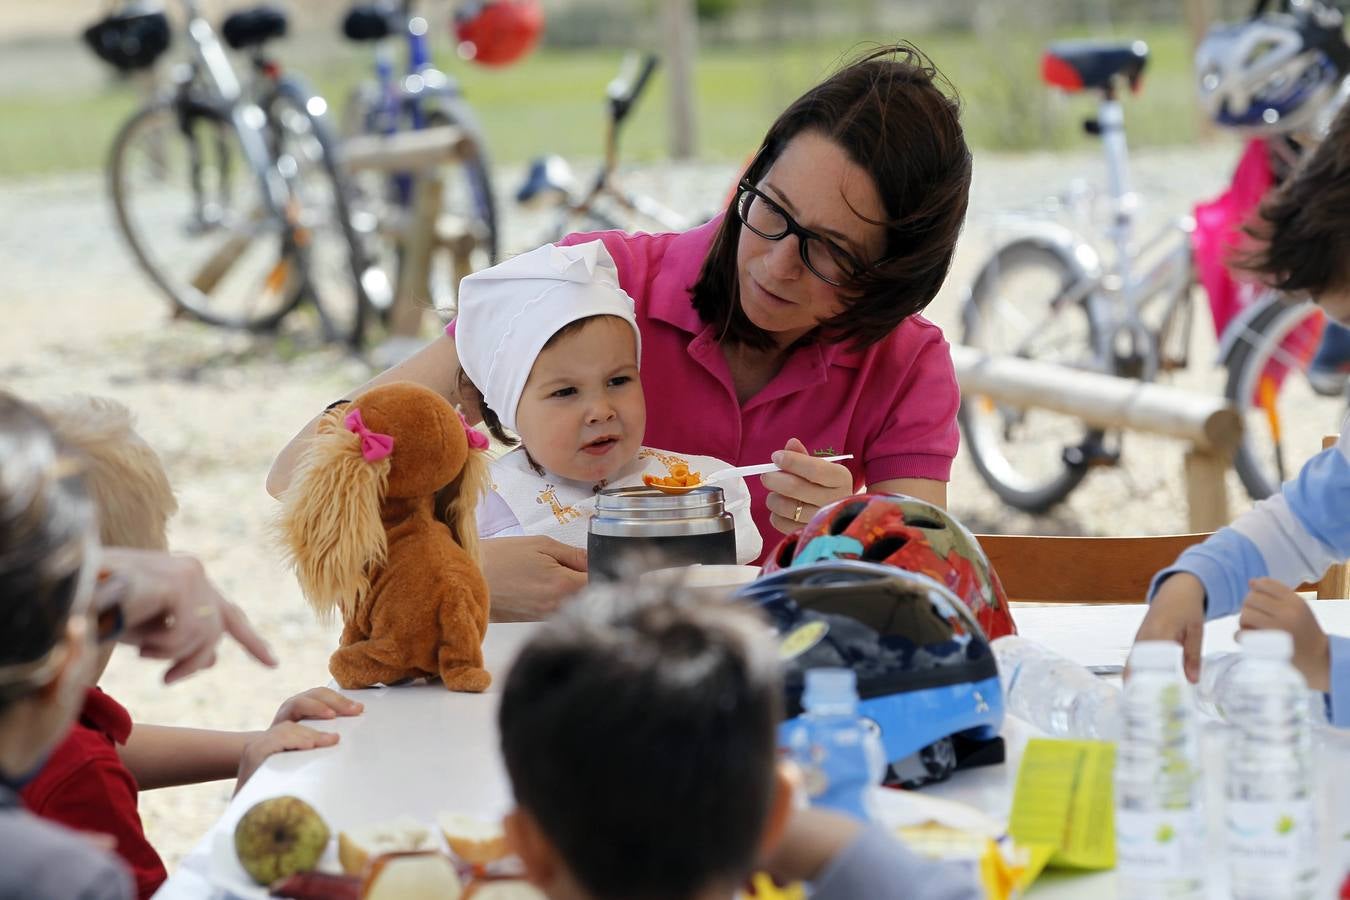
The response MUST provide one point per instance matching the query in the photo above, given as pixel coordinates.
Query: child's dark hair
(895, 116)
(46, 523)
(639, 733)
(1303, 227)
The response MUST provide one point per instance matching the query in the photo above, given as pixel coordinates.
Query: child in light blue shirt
(1292, 537)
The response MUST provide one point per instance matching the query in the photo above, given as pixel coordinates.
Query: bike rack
(1208, 423)
(424, 154)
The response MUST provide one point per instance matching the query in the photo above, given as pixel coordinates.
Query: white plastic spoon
(724, 474)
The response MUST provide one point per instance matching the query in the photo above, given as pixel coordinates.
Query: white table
(421, 750)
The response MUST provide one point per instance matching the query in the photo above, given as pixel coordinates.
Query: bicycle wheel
(1030, 301)
(340, 271)
(1283, 416)
(196, 219)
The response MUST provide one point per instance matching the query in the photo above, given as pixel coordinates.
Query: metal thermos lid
(642, 511)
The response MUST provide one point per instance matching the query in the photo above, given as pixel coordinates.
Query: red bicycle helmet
(498, 32)
(906, 533)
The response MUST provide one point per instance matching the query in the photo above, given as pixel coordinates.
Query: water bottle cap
(1156, 655)
(1268, 644)
(830, 687)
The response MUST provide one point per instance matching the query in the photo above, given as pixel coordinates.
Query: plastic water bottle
(839, 752)
(1215, 694)
(1160, 824)
(1056, 694)
(1269, 808)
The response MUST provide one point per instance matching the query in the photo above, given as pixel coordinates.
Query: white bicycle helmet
(1274, 73)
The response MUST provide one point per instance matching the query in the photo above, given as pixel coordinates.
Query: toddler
(549, 343)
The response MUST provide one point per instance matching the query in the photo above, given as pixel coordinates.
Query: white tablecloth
(421, 750)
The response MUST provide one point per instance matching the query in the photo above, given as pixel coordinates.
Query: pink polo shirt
(893, 405)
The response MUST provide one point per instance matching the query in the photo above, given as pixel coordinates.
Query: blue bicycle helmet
(926, 675)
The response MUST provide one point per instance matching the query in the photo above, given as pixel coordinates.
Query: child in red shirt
(91, 780)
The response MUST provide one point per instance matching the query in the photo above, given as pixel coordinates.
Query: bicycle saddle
(132, 39)
(368, 22)
(253, 27)
(1093, 65)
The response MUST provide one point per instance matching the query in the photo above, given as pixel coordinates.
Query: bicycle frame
(418, 80)
(622, 93)
(211, 70)
(1117, 301)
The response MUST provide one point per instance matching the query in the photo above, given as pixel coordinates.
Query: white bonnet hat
(509, 311)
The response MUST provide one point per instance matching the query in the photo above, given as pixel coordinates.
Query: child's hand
(280, 738)
(317, 703)
(1271, 604)
(1177, 613)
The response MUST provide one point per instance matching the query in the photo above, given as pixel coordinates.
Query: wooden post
(414, 282)
(681, 31)
(1206, 489)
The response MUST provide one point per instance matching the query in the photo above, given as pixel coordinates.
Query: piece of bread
(502, 889)
(425, 875)
(357, 846)
(473, 840)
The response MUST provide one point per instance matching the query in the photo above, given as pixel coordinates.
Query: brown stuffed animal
(360, 524)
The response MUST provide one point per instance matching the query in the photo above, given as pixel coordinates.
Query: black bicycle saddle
(1097, 63)
(252, 27)
(368, 22)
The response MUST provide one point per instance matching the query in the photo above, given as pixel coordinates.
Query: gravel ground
(79, 317)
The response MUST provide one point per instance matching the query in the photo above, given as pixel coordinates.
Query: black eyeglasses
(828, 261)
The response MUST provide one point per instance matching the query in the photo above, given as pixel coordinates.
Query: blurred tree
(715, 10)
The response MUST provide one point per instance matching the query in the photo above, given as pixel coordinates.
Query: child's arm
(165, 756)
(845, 859)
(1292, 536)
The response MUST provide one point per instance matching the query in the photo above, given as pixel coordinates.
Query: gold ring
(797, 514)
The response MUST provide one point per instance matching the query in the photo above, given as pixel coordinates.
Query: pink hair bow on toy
(477, 440)
(374, 446)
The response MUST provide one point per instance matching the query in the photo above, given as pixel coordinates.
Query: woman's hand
(530, 577)
(804, 486)
(172, 611)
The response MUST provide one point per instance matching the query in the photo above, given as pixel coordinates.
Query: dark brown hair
(638, 730)
(1303, 228)
(895, 116)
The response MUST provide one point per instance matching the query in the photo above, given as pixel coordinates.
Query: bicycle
(1049, 295)
(421, 97)
(228, 191)
(605, 205)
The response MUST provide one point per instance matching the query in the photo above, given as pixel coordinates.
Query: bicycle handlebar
(622, 96)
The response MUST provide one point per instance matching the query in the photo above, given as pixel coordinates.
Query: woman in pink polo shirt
(788, 327)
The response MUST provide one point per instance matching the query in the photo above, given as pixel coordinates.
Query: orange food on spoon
(679, 477)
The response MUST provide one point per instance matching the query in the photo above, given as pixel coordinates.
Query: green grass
(552, 102)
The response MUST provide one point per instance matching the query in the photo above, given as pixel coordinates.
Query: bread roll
(473, 840)
(426, 875)
(357, 846)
